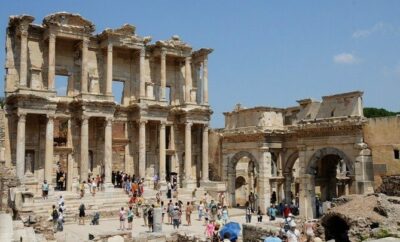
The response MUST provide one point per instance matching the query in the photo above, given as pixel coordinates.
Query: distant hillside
(378, 112)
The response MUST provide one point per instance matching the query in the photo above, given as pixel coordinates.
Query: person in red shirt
(286, 211)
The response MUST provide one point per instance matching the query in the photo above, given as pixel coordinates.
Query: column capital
(265, 148)
(142, 121)
(188, 124)
(163, 123)
(109, 120)
(52, 36)
(21, 116)
(143, 52)
(85, 42)
(188, 58)
(50, 117)
(84, 119)
(109, 47)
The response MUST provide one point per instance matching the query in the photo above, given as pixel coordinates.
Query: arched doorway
(331, 172)
(292, 178)
(242, 177)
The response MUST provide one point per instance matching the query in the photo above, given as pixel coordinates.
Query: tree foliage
(378, 112)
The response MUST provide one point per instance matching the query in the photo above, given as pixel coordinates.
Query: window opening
(118, 87)
(61, 85)
(397, 154)
(168, 94)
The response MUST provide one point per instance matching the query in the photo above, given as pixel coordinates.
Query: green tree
(378, 112)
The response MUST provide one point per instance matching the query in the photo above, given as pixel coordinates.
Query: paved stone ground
(75, 232)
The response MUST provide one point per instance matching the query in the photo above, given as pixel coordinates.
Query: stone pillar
(84, 73)
(84, 166)
(205, 81)
(307, 187)
(23, 58)
(108, 150)
(188, 182)
(188, 79)
(162, 152)
(20, 163)
(70, 166)
(204, 175)
(52, 62)
(109, 69)
(264, 187)
(364, 171)
(163, 76)
(142, 148)
(49, 155)
(142, 93)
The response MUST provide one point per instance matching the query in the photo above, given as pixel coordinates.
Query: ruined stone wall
(215, 155)
(383, 137)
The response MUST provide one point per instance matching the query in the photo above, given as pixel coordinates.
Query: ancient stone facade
(292, 154)
(159, 126)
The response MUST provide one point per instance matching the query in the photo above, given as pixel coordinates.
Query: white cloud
(378, 27)
(345, 58)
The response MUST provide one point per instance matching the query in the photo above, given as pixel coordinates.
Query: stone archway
(231, 174)
(291, 186)
(322, 177)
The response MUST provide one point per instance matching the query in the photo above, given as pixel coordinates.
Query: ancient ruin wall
(383, 137)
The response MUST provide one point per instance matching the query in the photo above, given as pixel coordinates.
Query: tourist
(252, 201)
(293, 234)
(54, 216)
(273, 237)
(95, 219)
(130, 218)
(210, 229)
(60, 200)
(82, 214)
(150, 214)
(62, 207)
(200, 210)
(176, 217)
(163, 211)
(259, 214)
(286, 211)
(60, 222)
(227, 237)
(155, 181)
(249, 211)
(272, 212)
(224, 215)
(215, 236)
(189, 210)
(45, 190)
(145, 209)
(205, 200)
(61, 181)
(221, 198)
(170, 211)
(82, 189)
(122, 219)
(94, 187)
(169, 190)
(309, 227)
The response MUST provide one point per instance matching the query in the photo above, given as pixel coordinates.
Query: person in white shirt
(293, 234)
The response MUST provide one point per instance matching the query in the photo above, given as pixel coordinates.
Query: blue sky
(269, 53)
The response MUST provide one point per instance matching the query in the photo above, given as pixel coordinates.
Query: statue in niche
(28, 164)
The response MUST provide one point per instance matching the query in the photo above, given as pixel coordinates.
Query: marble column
(49, 155)
(188, 79)
(109, 69)
(142, 148)
(84, 73)
(23, 58)
(142, 90)
(108, 150)
(84, 166)
(70, 166)
(163, 76)
(204, 175)
(20, 163)
(205, 81)
(188, 153)
(162, 152)
(52, 62)
(264, 186)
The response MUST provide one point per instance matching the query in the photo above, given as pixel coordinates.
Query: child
(210, 227)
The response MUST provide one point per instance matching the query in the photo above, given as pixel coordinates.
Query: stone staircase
(107, 203)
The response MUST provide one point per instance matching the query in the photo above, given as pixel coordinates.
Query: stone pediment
(174, 43)
(64, 19)
(125, 33)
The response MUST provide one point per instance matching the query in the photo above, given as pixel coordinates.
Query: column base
(108, 187)
(189, 184)
(162, 185)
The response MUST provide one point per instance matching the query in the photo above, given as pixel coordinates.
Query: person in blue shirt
(273, 237)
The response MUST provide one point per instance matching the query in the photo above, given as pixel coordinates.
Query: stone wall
(390, 186)
(215, 155)
(255, 232)
(383, 137)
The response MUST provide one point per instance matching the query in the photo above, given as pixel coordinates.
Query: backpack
(54, 215)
